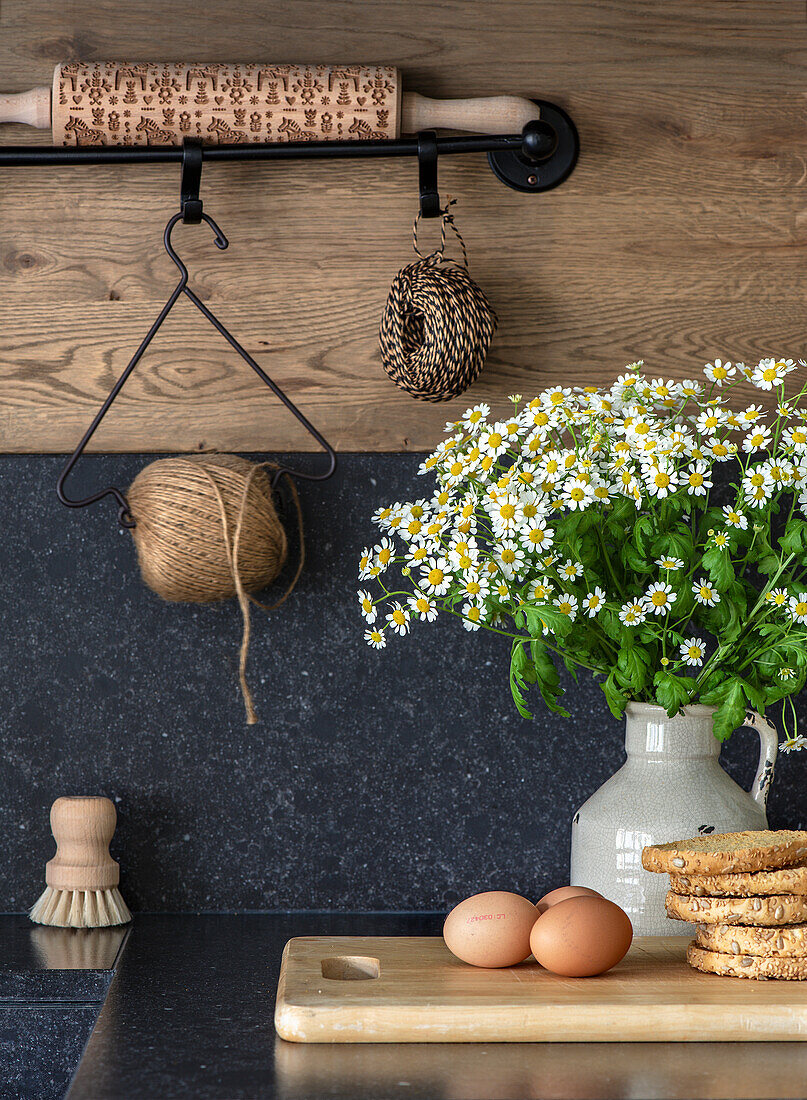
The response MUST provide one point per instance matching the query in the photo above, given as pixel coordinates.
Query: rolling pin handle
(189, 202)
(427, 174)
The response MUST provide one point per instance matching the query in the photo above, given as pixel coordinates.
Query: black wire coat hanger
(191, 213)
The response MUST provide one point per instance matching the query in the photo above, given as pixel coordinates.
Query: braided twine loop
(437, 324)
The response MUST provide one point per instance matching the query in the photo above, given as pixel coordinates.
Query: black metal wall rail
(537, 159)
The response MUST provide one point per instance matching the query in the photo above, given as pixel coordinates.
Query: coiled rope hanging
(437, 324)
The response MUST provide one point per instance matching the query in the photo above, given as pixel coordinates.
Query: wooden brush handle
(82, 829)
(159, 103)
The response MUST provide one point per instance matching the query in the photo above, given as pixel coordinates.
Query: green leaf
(617, 700)
(794, 538)
(634, 664)
(672, 692)
(731, 712)
(539, 616)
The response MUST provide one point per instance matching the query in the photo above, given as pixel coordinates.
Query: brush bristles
(80, 908)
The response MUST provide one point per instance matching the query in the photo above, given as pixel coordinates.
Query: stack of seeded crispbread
(746, 894)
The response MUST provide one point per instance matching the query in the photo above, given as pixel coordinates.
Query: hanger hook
(218, 237)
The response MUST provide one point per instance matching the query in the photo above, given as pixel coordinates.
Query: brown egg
(581, 936)
(491, 929)
(562, 893)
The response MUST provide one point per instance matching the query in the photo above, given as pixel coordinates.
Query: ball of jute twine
(437, 324)
(206, 529)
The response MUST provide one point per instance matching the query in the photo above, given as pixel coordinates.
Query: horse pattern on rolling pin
(147, 103)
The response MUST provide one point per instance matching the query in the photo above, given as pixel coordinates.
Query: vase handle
(768, 750)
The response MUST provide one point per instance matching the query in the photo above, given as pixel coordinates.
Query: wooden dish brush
(82, 878)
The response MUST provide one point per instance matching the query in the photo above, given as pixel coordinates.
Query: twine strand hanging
(185, 510)
(437, 323)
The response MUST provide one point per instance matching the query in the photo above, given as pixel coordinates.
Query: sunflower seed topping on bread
(746, 966)
(728, 853)
(766, 912)
(743, 884)
(737, 939)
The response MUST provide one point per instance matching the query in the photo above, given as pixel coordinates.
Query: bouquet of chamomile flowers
(582, 528)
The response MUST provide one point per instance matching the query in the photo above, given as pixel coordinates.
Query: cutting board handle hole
(350, 968)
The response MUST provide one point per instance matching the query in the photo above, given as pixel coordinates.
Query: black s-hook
(191, 212)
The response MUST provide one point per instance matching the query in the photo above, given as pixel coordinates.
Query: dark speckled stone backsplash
(394, 780)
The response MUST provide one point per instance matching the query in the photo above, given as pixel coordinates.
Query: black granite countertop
(189, 1013)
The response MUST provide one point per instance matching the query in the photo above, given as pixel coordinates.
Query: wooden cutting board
(379, 989)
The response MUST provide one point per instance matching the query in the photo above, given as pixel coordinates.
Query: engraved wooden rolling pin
(162, 103)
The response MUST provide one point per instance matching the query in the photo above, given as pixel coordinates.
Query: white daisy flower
(659, 598)
(793, 744)
(365, 563)
(536, 536)
(660, 480)
(690, 388)
(632, 613)
(720, 539)
(398, 619)
(593, 602)
(710, 419)
(367, 607)
(566, 603)
(771, 372)
(577, 494)
(375, 638)
(721, 450)
(383, 553)
(510, 557)
(786, 673)
(705, 592)
(473, 417)
(493, 441)
(692, 651)
(473, 616)
(795, 439)
(428, 464)
(734, 518)
(758, 439)
(719, 371)
(541, 590)
(750, 415)
(504, 513)
(475, 585)
(555, 397)
(669, 563)
(778, 597)
(797, 606)
(570, 569)
(463, 553)
(422, 607)
(696, 478)
(436, 576)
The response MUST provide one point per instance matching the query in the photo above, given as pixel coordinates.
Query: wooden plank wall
(681, 235)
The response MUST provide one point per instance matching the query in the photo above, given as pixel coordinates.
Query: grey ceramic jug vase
(670, 787)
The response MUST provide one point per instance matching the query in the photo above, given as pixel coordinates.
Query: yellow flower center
(659, 599)
(801, 608)
(508, 556)
(367, 605)
(473, 614)
(565, 607)
(494, 439)
(662, 479)
(706, 593)
(720, 449)
(576, 493)
(398, 617)
(384, 555)
(507, 511)
(435, 576)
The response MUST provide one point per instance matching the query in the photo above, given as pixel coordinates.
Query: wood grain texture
(328, 993)
(679, 237)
